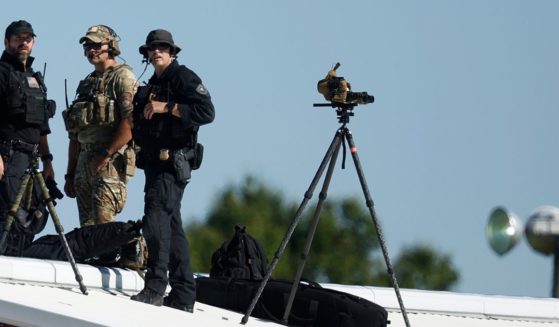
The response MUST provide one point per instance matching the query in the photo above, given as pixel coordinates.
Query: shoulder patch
(201, 89)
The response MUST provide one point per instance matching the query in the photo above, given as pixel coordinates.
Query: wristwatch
(104, 152)
(170, 105)
(46, 157)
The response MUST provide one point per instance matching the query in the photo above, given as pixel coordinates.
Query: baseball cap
(98, 34)
(20, 26)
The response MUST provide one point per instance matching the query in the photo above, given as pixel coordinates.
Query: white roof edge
(59, 273)
(496, 306)
(127, 282)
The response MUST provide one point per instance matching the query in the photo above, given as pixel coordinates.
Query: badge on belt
(164, 154)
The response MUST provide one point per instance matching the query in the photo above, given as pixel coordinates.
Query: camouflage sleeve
(125, 87)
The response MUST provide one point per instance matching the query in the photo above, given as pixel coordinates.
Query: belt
(20, 145)
(165, 154)
(91, 146)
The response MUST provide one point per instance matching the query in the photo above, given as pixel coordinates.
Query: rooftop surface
(36, 292)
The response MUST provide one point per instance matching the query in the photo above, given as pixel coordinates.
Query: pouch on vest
(26, 97)
(35, 101)
(181, 166)
(79, 115)
(129, 157)
(101, 102)
(196, 161)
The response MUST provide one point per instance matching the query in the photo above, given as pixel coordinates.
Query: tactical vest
(27, 97)
(92, 107)
(162, 130)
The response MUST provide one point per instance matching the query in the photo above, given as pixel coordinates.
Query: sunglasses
(159, 46)
(92, 46)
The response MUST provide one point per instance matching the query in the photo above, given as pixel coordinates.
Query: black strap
(20, 145)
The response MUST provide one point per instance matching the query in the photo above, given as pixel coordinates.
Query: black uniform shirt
(182, 86)
(15, 129)
(188, 92)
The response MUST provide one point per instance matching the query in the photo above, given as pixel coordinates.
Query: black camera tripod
(32, 175)
(344, 111)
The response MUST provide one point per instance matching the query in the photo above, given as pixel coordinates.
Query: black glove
(133, 227)
(54, 191)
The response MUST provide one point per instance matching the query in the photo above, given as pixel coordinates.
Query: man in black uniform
(24, 114)
(167, 115)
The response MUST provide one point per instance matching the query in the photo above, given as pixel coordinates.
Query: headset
(114, 47)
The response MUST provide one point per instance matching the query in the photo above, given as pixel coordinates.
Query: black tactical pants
(14, 168)
(166, 242)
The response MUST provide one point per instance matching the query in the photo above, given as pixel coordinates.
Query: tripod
(32, 175)
(344, 111)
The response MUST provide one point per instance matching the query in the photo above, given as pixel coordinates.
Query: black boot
(148, 296)
(172, 303)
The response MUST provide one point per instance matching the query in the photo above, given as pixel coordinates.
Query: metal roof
(435, 308)
(37, 292)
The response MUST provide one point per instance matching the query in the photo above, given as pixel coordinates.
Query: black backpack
(241, 257)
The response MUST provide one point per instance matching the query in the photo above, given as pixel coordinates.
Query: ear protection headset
(114, 47)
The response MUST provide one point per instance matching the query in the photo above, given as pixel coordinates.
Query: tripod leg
(59, 229)
(370, 205)
(308, 242)
(28, 196)
(10, 216)
(338, 138)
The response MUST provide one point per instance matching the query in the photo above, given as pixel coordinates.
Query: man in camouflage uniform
(101, 157)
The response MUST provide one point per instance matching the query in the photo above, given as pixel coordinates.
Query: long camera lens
(359, 98)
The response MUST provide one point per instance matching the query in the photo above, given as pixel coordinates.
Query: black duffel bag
(85, 242)
(312, 306)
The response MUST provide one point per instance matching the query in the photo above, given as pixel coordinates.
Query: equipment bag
(240, 257)
(134, 255)
(312, 306)
(86, 242)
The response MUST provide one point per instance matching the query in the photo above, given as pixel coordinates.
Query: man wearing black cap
(167, 115)
(24, 114)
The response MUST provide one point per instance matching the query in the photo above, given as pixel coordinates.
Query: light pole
(504, 230)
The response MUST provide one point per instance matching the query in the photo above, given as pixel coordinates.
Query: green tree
(422, 267)
(344, 250)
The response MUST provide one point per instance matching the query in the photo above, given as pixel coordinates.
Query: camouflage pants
(101, 195)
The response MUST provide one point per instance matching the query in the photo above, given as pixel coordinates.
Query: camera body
(338, 90)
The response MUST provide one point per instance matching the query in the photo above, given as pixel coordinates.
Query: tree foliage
(422, 267)
(344, 249)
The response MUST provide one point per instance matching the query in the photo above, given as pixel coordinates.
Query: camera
(338, 91)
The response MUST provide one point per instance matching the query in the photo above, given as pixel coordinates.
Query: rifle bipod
(32, 175)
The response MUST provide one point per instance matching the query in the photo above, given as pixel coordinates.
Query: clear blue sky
(465, 116)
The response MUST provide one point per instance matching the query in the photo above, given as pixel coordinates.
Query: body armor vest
(162, 130)
(27, 97)
(92, 107)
